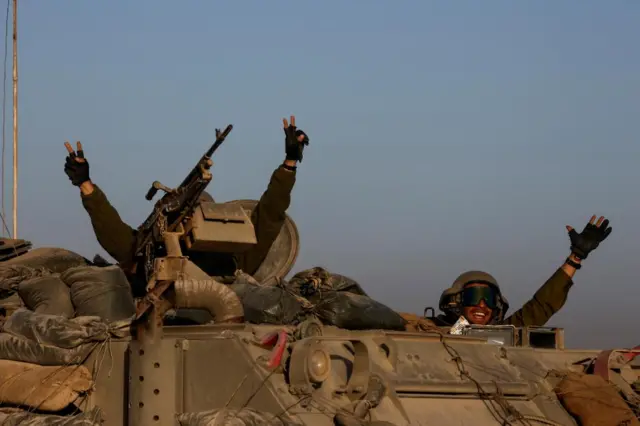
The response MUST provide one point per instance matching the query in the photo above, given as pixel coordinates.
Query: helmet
(451, 298)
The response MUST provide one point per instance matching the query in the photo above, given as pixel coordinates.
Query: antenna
(15, 118)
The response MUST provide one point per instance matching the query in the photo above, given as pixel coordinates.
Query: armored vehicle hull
(399, 377)
(316, 374)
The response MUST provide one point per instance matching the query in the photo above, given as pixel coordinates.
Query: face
(478, 301)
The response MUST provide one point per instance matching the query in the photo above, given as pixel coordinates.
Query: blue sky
(445, 136)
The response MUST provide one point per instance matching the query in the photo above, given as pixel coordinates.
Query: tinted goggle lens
(472, 296)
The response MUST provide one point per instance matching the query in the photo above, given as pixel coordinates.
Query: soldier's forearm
(113, 234)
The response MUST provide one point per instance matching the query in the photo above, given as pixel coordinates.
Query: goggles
(472, 296)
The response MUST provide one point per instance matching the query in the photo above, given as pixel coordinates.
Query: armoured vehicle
(170, 371)
(315, 374)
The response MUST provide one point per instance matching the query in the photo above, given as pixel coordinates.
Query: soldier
(117, 238)
(477, 296)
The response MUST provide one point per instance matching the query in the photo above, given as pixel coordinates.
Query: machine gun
(177, 204)
(157, 248)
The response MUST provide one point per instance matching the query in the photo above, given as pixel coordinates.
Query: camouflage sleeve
(116, 237)
(268, 218)
(548, 300)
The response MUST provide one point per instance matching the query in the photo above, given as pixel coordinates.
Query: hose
(223, 304)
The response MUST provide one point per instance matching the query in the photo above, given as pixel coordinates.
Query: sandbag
(593, 401)
(311, 281)
(47, 295)
(53, 330)
(270, 304)
(12, 276)
(355, 312)
(18, 349)
(42, 388)
(88, 418)
(9, 305)
(100, 291)
(233, 417)
(49, 258)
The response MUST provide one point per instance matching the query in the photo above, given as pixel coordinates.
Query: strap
(288, 167)
(572, 263)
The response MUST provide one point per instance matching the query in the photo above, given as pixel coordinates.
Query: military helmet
(451, 298)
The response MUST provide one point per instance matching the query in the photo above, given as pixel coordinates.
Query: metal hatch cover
(283, 253)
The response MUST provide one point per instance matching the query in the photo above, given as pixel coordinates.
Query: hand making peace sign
(294, 141)
(76, 166)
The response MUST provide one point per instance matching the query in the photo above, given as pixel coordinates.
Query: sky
(445, 136)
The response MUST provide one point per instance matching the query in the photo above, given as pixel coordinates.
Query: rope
(498, 406)
(101, 349)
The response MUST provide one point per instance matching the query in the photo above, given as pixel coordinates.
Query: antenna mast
(15, 118)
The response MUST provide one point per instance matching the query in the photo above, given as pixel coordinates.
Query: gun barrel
(220, 137)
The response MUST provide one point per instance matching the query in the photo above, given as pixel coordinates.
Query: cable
(541, 420)
(5, 227)
(501, 410)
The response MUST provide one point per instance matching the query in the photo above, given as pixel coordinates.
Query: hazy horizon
(445, 136)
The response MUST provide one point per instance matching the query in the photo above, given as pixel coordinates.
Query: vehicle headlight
(309, 365)
(318, 365)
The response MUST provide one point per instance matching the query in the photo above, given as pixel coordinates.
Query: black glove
(292, 146)
(78, 171)
(589, 239)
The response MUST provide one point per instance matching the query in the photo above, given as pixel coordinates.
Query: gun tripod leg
(151, 311)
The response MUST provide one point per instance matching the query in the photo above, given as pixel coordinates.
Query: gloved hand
(294, 140)
(590, 238)
(76, 166)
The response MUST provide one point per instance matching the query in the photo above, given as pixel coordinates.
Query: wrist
(574, 258)
(86, 187)
(290, 164)
(573, 261)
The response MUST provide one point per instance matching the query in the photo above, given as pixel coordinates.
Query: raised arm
(269, 215)
(115, 237)
(552, 296)
(548, 300)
